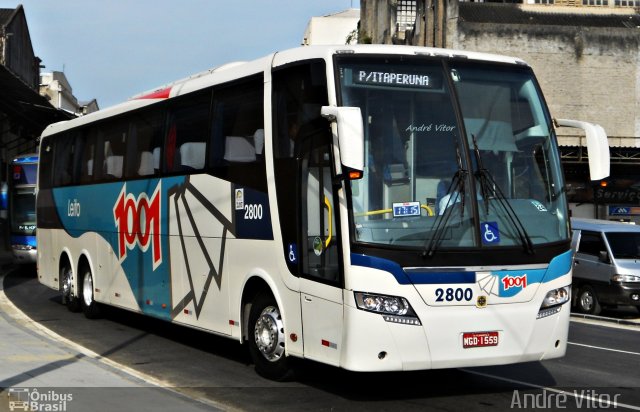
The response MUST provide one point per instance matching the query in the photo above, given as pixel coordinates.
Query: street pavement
(40, 370)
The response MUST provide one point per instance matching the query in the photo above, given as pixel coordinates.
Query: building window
(544, 1)
(627, 3)
(406, 15)
(596, 2)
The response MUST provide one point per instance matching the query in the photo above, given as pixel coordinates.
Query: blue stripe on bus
(414, 276)
(438, 278)
(559, 266)
(381, 264)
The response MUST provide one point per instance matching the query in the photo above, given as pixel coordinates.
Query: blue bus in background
(22, 208)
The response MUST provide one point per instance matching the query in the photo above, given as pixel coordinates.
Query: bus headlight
(393, 308)
(553, 301)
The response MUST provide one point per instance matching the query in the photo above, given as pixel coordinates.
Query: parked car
(606, 268)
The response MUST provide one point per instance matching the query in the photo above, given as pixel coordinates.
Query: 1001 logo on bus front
(137, 220)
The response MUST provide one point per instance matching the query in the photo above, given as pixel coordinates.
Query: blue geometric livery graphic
(186, 198)
(168, 235)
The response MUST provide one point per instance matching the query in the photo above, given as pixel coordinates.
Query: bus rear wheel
(90, 307)
(267, 339)
(66, 286)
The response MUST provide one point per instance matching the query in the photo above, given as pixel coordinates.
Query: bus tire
(588, 301)
(66, 287)
(267, 339)
(90, 307)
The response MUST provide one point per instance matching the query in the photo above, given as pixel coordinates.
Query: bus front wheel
(90, 307)
(267, 339)
(66, 286)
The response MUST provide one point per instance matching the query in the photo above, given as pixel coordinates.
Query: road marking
(601, 348)
(575, 394)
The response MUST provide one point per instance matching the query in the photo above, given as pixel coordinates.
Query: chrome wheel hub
(269, 334)
(87, 289)
(67, 285)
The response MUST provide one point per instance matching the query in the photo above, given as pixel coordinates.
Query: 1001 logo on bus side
(137, 220)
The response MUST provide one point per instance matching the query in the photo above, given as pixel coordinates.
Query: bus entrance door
(321, 292)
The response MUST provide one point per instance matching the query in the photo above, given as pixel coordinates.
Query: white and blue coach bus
(22, 208)
(375, 208)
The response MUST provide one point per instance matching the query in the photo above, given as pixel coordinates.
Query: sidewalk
(43, 371)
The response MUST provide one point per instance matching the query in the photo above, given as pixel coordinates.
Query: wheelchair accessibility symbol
(490, 232)
(293, 253)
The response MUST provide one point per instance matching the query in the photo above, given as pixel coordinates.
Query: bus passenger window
(187, 133)
(114, 148)
(64, 160)
(237, 133)
(145, 138)
(87, 156)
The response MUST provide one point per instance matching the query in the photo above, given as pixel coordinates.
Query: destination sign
(400, 79)
(394, 78)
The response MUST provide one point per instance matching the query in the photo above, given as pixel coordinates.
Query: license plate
(479, 339)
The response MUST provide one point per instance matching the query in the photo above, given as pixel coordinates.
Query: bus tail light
(394, 309)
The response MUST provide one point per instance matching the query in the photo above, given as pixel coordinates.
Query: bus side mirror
(350, 135)
(597, 146)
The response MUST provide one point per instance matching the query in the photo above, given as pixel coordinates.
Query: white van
(606, 269)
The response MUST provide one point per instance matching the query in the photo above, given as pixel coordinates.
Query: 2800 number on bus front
(454, 295)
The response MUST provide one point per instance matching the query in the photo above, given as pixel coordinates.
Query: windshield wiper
(455, 191)
(489, 188)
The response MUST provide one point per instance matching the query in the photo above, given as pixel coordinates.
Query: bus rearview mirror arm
(350, 134)
(597, 146)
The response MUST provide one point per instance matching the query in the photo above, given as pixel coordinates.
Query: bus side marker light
(329, 344)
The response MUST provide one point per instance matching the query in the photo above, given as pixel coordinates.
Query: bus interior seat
(146, 164)
(258, 141)
(441, 192)
(114, 166)
(193, 155)
(156, 158)
(239, 149)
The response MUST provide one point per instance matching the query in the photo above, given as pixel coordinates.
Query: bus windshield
(23, 211)
(457, 155)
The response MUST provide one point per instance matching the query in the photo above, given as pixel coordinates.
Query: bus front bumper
(375, 344)
(24, 254)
